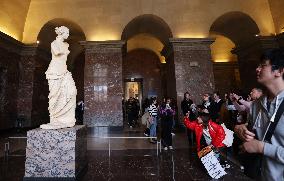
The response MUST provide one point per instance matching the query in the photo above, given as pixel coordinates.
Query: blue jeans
(153, 127)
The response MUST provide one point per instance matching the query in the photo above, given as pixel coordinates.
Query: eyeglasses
(262, 65)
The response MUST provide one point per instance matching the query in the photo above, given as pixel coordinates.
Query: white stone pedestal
(56, 154)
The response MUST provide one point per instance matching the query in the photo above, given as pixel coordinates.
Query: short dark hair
(185, 94)
(205, 117)
(152, 100)
(275, 57)
(217, 93)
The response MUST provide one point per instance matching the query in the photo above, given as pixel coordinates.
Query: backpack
(145, 118)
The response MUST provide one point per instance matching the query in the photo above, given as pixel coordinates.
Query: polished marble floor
(138, 165)
(130, 159)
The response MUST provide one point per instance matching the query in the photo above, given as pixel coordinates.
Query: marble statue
(62, 89)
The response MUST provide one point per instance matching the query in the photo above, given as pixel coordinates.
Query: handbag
(229, 135)
(145, 118)
(229, 138)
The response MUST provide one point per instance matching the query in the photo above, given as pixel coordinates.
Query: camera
(196, 111)
(193, 113)
(168, 106)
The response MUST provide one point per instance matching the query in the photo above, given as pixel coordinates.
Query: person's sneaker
(146, 134)
(173, 134)
(166, 148)
(152, 141)
(130, 126)
(170, 147)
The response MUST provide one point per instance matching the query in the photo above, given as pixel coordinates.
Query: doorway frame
(140, 80)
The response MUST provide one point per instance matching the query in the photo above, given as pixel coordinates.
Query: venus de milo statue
(62, 89)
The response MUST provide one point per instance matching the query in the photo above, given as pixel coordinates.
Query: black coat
(185, 106)
(215, 109)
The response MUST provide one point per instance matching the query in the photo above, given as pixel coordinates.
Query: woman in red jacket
(213, 133)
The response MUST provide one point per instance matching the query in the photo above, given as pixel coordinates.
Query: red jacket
(216, 132)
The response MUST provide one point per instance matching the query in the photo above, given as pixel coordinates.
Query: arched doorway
(144, 67)
(75, 64)
(234, 30)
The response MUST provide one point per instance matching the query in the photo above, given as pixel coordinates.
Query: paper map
(213, 166)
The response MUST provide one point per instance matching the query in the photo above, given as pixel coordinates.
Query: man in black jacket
(186, 103)
(185, 107)
(216, 107)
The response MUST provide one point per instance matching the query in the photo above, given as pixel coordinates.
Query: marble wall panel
(103, 83)
(226, 76)
(9, 82)
(193, 68)
(26, 80)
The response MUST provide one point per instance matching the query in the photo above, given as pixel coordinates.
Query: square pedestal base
(56, 154)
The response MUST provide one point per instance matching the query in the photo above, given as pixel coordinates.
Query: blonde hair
(60, 30)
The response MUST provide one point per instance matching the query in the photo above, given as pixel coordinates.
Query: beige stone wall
(144, 41)
(277, 12)
(221, 49)
(106, 19)
(13, 17)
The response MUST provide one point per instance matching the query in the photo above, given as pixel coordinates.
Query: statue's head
(62, 31)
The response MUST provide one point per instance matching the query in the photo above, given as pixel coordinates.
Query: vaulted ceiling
(106, 20)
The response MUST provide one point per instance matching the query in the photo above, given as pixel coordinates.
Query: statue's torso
(57, 66)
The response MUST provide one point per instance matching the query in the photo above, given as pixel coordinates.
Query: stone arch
(242, 31)
(148, 24)
(146, 36)
(148, 27)
(237, 26)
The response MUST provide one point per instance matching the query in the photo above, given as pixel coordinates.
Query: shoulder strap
(273, 125)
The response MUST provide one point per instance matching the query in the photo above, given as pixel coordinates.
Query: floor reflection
(145, 165)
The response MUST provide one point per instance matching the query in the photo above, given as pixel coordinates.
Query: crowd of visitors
(159, 120)
(256, 118)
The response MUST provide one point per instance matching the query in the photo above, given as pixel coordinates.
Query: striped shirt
(153, 110)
